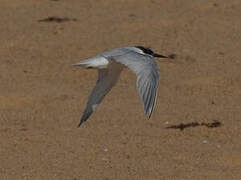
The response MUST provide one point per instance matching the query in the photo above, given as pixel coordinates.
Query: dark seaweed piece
(182, 126)
(56, 19)
(214, 124)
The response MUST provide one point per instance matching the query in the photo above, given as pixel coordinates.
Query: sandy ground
(194, 132)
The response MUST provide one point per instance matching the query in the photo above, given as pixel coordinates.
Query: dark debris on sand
(182, 126)
(56, 19)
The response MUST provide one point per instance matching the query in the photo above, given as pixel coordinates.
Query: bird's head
(148, 51)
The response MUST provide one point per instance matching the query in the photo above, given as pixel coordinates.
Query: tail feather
(81, 63)
(95, 62)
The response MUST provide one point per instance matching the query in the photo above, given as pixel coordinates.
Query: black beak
(171, 56)
(159, 56)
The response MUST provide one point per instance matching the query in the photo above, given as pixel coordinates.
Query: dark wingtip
(172, 56)
(81, 121)
(79, 124)
(85, 116)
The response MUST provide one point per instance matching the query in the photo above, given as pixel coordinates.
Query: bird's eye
(150, 51)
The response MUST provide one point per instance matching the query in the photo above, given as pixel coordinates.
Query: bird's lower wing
(147, 85)
(106, 80)
(147, 72)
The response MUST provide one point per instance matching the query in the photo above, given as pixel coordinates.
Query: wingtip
(85, 116)
(148, 114)
(80, 123)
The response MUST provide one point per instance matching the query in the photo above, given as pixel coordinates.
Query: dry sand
(194, 132)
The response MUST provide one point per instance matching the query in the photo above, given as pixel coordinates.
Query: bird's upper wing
(147, 72)
(106, 80)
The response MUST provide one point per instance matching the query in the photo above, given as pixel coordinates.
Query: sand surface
(195, 130)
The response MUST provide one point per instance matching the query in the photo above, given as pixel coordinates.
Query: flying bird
(110, 64)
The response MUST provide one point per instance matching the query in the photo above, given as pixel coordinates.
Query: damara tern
(110, 64)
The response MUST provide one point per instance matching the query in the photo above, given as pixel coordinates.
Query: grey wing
(147, 72)
(106, 80)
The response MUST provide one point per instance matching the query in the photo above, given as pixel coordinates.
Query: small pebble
(205, 141)
(104, 159)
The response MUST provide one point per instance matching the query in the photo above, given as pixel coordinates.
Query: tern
(110, 63)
